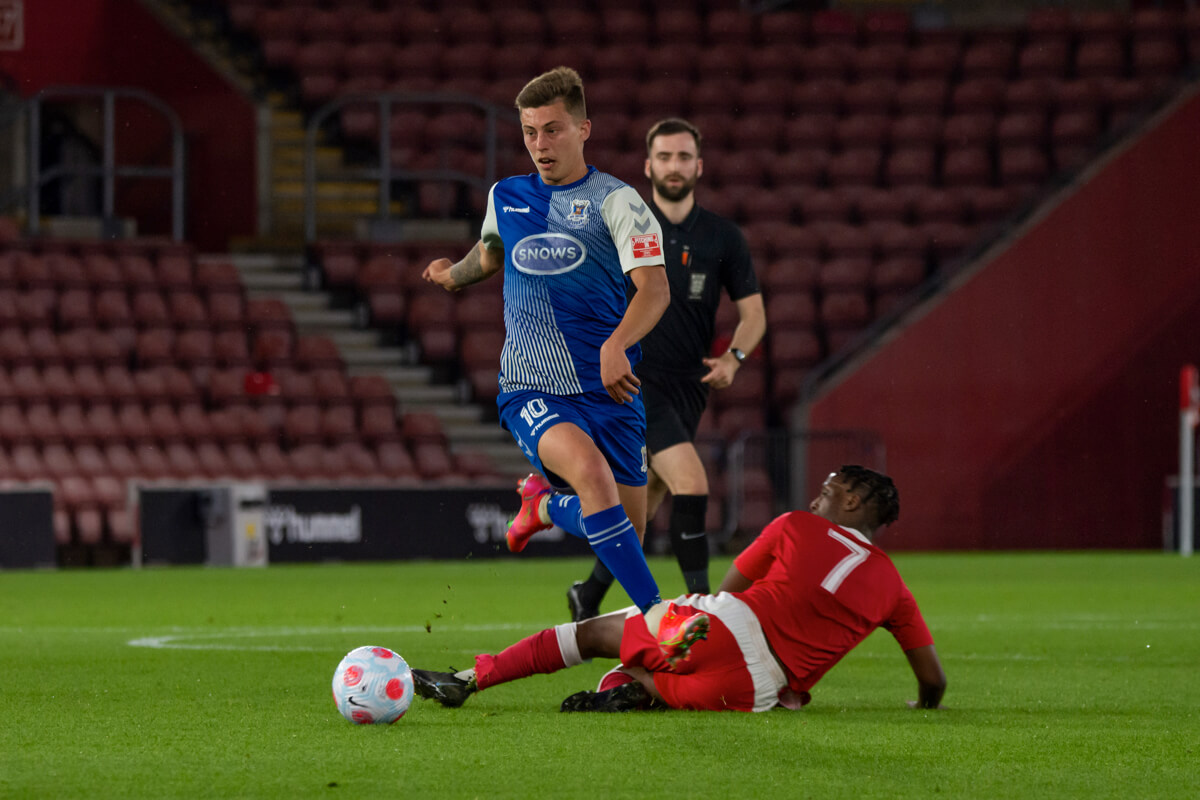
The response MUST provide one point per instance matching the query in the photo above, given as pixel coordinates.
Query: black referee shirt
(704, 254)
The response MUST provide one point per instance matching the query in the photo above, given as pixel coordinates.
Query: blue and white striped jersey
(567, 250)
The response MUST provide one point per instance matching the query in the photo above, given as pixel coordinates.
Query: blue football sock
(566, 512)
(615, 542)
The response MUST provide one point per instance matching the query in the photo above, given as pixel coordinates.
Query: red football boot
(528, 521)
(680, 628)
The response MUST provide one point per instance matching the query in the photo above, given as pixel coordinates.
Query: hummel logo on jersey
(643, 214)
(514, 210)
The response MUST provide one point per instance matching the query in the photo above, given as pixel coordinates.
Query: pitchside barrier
(756, 477)
(247, 524)
(27, 539)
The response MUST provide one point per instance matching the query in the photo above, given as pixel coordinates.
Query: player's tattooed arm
(481, 263)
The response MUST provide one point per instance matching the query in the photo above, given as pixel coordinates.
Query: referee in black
(705, 254)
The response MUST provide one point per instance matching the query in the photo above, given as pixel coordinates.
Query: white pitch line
(193, 640)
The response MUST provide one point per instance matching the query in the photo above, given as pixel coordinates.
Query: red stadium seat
(1047, 59)
(879, 61)
(783, 27)
(932, 60)
(967, 166)
(987, 60)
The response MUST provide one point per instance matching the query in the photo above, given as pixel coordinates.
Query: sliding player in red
(801, 596)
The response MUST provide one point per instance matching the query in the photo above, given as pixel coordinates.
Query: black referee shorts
(674, 405)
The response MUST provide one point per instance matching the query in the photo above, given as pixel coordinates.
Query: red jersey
(819, 590)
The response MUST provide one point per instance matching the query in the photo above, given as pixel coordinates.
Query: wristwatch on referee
(740, 355)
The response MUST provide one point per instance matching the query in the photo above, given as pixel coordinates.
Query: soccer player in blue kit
(568, 239)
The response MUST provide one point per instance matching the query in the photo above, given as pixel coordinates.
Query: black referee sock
(596, 586)
(689, 539)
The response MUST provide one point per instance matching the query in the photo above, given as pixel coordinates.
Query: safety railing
(108, 171)
(766, 473)
(385, 172)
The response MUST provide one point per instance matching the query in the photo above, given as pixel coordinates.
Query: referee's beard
(672, 193)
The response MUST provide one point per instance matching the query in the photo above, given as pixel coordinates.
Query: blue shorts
(618, 429)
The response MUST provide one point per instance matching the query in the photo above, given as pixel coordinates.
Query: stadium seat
(1022, 165)
(810, 131)
(1049, 25)
(874, 204)
(862, 129)
(977, 95)
(377, 424)
(154, 347)
(1026, 128)
(884, 60)
(315, 351)
(823, 95)
(884, 26)
(860, 166)
(967, 166)
(59, 385)
(1047, 59)
(783, 27)
(1077, 94)
(991, 59)
(272, 348)
(897, 274)
(89, 383)
(173, 273)
(932, 60)
(947, 240)
(193, 348)
(395, 462)
(1028, 94)
(939, 205)
(371, 390)
(1100, 58)
(194, 423)
(1156, 58)
(922, 96)
(915, 129)
(790, 309)
(302, 425)
(911, 166)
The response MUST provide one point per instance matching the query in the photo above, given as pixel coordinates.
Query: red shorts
(732, 670)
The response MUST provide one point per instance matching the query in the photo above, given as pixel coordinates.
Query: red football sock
(534, 655)
(614, 679)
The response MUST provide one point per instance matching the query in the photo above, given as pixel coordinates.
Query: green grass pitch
(1070, 675)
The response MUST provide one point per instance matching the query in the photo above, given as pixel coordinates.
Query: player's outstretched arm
(734, 581)
(931, 679)
(651, 299)
(482, 262)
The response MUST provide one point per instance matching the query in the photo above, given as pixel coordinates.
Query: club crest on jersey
(579, 213)
(548, 254)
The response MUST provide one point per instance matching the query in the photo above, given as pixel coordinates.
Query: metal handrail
(108, 170)
(788, 469)
(385, 173)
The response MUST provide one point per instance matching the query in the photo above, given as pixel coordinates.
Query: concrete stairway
(282, 276)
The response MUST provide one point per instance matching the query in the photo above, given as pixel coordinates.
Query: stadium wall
(118, 43)
(1037, 404)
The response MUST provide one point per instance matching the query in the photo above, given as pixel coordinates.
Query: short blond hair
(560, 83)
